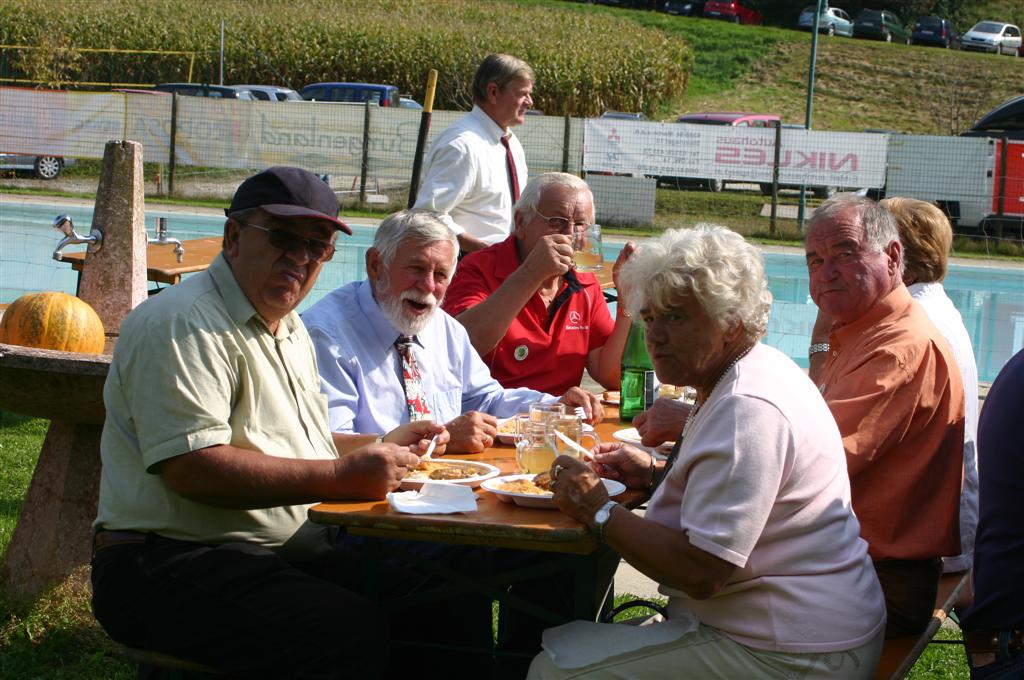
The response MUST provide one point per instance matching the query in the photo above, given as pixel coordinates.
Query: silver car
(272, 93)
(41, 167)
(832, 21)
(993, 36)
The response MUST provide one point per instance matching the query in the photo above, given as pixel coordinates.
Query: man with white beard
(387, 354)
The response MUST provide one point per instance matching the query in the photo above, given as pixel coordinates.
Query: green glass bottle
(639, 386)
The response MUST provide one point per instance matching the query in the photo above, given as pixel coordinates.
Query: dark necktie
(513, 177)
(415, 399)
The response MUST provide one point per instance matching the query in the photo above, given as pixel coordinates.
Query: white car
(993, 36)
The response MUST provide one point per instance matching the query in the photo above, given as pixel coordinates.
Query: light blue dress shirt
(360, 372)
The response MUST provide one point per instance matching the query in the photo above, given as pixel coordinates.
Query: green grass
(54, 636)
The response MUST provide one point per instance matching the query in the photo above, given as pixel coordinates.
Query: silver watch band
(817, 348)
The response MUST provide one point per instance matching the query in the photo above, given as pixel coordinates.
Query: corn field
(585, 64)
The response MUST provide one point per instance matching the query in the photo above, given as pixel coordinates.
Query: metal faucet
(163, 240)
(64, 225)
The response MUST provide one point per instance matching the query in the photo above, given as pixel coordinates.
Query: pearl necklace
(693, 414)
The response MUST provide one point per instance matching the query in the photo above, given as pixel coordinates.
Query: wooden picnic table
(162, 264)
(494, 524)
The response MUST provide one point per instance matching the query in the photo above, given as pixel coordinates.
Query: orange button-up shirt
(894, 388)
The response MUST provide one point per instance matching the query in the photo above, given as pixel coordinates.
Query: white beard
(405, 323)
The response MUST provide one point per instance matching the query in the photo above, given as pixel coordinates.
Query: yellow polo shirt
(196, 366)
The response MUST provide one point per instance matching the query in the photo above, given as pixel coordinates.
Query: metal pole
(565, 143)
(365, 163)
(173, 142)
(221, 51)
(775, 177)
(810, 100)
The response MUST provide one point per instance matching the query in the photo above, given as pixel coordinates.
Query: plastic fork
(430, 447)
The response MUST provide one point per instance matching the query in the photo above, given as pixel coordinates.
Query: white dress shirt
(360, 370)
(465, 177)
(943, 313)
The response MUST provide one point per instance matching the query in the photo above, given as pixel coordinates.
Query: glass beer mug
(535, 452)
(570, 426)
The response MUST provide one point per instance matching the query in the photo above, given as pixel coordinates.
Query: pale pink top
(761, 483)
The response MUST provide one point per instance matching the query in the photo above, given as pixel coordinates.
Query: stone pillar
(114, 277)
(53, 534)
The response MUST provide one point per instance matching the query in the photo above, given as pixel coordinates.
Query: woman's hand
(627, 464)
(578, 491)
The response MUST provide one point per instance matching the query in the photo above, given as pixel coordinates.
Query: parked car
(935, 31)
(832, 21)
(271, 93)
(736, 11)
(880, 25)
(717, 118)
(624, 115)
(41, 167)
(384, 95)
(409, 103)
(686, 8)
(1006, 120)
(205, 90)
(992, 36)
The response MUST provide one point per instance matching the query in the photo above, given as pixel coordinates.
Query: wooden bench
(900, 654)
(179, 669)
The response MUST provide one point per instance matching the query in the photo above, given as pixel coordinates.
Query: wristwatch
(601, 517)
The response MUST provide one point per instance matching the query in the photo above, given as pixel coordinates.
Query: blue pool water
(991, 300)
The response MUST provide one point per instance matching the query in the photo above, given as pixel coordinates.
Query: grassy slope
(859, 83)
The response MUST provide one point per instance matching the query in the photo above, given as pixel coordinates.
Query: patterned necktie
(513, 177)
(415, 399)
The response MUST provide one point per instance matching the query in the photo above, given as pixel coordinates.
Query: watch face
(603, 513)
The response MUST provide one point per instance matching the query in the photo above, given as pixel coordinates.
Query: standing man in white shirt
(476, 168)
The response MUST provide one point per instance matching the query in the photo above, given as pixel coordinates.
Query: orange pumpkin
(52, 321)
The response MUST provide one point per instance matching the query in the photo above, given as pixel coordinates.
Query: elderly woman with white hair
(749, 529)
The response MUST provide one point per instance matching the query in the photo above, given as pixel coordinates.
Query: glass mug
(586, 247)
(544, 412)
(572, 427)
(535, 452)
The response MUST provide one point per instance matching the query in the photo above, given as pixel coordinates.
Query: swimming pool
(990, 299)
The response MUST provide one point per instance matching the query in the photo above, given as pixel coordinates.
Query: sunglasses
(282, 239)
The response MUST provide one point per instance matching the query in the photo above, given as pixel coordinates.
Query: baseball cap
(288, 192)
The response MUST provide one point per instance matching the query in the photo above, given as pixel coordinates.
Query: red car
(736, 11)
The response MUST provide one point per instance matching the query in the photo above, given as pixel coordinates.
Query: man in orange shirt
(893, 386)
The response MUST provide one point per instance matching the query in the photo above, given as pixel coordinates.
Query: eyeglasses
(282, 239)
(563, 225)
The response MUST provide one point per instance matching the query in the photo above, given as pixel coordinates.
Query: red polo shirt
(532, 353)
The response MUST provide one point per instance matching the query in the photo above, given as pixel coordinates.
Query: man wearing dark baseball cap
(215, 445)
(286, 193)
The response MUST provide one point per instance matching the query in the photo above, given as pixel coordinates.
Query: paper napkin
(434, 498)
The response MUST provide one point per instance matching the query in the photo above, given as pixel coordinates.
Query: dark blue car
(383, 95)
(936, 32)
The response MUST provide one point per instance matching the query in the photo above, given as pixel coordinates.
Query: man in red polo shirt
(535, 320)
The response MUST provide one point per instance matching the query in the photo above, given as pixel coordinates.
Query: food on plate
(611, 397)
(507, 427)
(543, 480)
(438, 470)
(538, 486)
